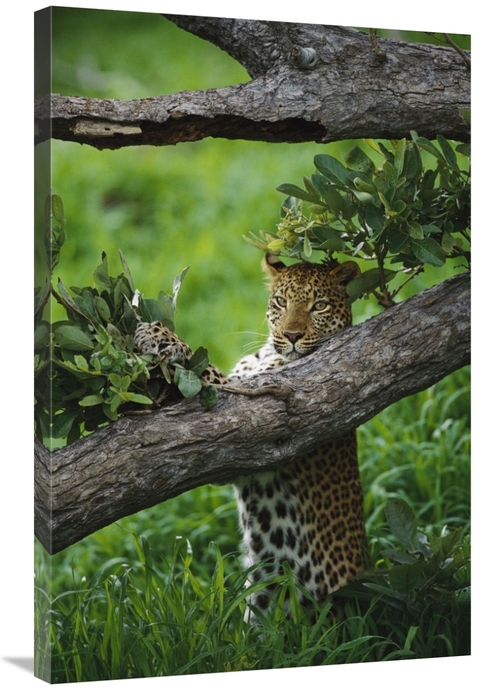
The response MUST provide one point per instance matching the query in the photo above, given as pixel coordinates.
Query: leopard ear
(272, 266)
(344, 273)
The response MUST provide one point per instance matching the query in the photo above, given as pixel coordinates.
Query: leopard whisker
(252, 345)
(264, 335)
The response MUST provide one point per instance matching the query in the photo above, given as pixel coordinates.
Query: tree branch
(311, 83)
(138, 462)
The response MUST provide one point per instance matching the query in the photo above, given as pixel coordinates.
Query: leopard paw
(156, 339)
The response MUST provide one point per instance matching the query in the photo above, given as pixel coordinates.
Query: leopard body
(308, 513)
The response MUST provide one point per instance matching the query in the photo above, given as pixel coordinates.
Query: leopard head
(307, 303)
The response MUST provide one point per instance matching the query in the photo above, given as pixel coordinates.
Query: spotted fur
(310, 512)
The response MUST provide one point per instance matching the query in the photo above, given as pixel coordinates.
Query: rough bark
(138, 462)
(310, 83)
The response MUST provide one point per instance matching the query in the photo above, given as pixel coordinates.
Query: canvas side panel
(42, 170)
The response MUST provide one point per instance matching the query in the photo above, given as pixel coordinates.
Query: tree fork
(138, 462)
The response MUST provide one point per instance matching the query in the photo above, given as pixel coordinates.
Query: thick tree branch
(311, 83)
(256, 45)
(138, 462)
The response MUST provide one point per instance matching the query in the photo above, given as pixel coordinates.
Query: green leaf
(85, 303)
(398, 556)
(425, 144)
(297, 192)
(117, 338)
(390, 596)
(332, 169)
(115, 403)
(356, 159)
(42, 337)
(208, 396)
(363, 186)
(165, 371)
(334, 200)
(430, 229)
(310, 187)
(364, 197)
(90, 400)
(101, 275)
(149, 310)
(389, 155)
(332, 243)
(390, 176)
(41, 296)
(276, 245)
(397, 240)
(412, 631)
(69, 302)
(43, 423)
(166, 307)
(353, 644)
(63, 422)
(413, 163)
(399, 157)
(374, 216)
(110, 412)
(199, 361)
(367, 281)
(317, 209)
(118, 382)
(402, 523)
(405, 577)
(57, 208)
(450, 541)
(73, 338)
(138, 398)
(321, 184)
(187, 382)
(428, 251)
(177, 285)
(81, 363)
(415, 230)
(121, 289)
(289, 207)
(349, 211)
(102, 308)
(126, 270)
(448, 152)
(384, 201)
(424, 546)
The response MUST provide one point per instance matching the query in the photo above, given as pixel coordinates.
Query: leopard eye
(280, 301)
(320, 305)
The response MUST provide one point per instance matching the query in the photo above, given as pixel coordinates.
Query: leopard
(308, 513)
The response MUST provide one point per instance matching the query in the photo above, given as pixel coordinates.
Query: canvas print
(252, 325)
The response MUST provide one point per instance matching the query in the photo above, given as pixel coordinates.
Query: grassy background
(135, 599)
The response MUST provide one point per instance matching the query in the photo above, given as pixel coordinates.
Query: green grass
(162, 592)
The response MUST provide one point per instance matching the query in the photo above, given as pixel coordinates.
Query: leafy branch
(398, 210)
(87, 372)
(421, 571)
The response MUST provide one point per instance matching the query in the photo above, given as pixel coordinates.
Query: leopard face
(307, 304)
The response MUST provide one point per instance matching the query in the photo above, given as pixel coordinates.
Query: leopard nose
(293, 336)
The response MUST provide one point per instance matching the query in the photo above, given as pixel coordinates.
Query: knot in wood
(304, 57)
